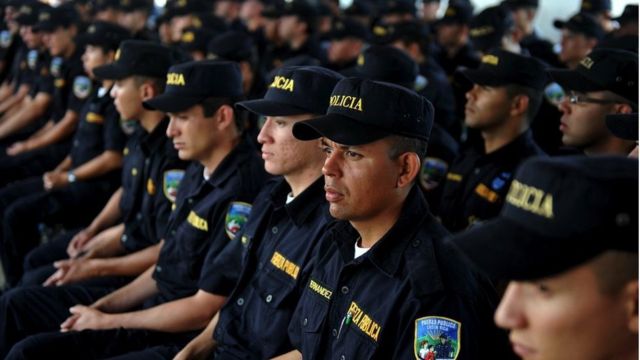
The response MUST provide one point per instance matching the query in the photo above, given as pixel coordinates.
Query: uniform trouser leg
(31, 163)
(38, 264)
(152, 353)
(32, 310)
(12, 254)
(94, 344)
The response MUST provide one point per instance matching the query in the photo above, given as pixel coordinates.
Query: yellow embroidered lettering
(197, 222)
(530, 199)
(175, 79)
(282, 83)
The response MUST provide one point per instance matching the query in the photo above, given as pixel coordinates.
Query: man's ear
(631, 305)
(224, 116)
(519, 105)
(409, 168)
(147, 91)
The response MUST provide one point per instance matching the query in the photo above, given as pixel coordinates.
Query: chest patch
(437, 335)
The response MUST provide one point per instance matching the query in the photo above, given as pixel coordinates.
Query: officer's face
(194, 135)
(583, 124)
(288, 26)
(574, 47)
(282, 153)
(360, 181)
(127, 97)
(32, 39)
(93, 57)
(487, 107)
(343, 50)
(565, 317)
(449, 34)
(59, 41)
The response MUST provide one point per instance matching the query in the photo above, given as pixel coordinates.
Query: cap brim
(111, 72)
(624, 126)
(170, 103)
(339, 128)
(483, 77)
(573, 80)
(271, 108)
(505, 250)
(559, 24)
(44, 26)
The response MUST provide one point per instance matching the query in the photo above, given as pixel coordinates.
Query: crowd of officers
(255, 179)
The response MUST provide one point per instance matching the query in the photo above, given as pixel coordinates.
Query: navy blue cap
(28, 13)
(388, 64)
(559, 213)
(604, 69)
(489, 27)
(190, 83)
(624, 126)
(104, 33)
(52, 18)
(195, 39)
(362, 111)
(630, 14)
(458, 12)
(399, 7)
(137, 57)
(102, 5)
(300, 8)
(582, 23)
(347, 28)
(232, 45)
(517, 4)
(296, 90)
(500, 67)
(595, 6)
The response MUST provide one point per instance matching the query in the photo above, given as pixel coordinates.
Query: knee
(25, 349)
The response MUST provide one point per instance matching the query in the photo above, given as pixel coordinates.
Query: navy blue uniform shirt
(412, 286)
(477, 183)
(281, 241)
(151, 177)
(208, 213)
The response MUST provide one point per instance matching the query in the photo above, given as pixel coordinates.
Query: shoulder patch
(237, 216)
(437, 335)
(171, 182)
(56, 65)
(32, 59)
(554, 94)
(433, 172)
(81, 87)
(5, 39)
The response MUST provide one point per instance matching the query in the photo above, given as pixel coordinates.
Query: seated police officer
(213, 202)
(36, 309)
(568, 240)
(283, 231)
(150, 179)
(605, 82)
(383, 284)
(506, 94)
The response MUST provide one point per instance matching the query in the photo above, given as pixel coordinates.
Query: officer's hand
(17, 148)
(85, 318)
(72, 271)
(78, 242)
(55, 180)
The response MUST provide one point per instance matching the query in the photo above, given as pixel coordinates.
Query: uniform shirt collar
(302, 205)
(230, 163)
(156, 138)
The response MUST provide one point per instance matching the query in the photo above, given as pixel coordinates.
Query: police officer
(605, 82)
(506, 94)
(212, 206)
(89, 171)
(580, 34)
(568, 240)
(138, 78)
(285, 225)
(452, 36)
(151, 175)
(382, 284)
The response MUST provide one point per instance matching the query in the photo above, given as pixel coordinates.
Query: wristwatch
(71, 177)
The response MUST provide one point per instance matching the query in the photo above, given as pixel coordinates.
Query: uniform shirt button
(476, 171)
(190, 201)
(173, 232)
(415, 243)
(139, 216)
(124, 238)
(146, 161)
(158, 268)
(305, 322)
(345, 290)
(240, 301)
(269, 298)
(342, 357)
(274, 229)
(334, 332)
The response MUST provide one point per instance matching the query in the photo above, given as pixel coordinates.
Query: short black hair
(535, 98)
(212, 104)
(157, 83)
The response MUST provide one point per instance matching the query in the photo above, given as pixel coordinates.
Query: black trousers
(32, 310)
(24, 205)
(31, 163)
(133, 344)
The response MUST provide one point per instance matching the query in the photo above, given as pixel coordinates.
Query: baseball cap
(195, 39)
(582, 23)
(51, 18)
(624, 126)
(517, 4)
(604, 69)
(137, 57)
(105, 34)
(595, 6)
(190, 83)
(388, 64)
(489, 27)
(362, 111)
(28, 13)
(347, 28)
(232, 45)
(500, 67)
(629, 14)
(559, 213)
(296, 90)
(458, 12)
